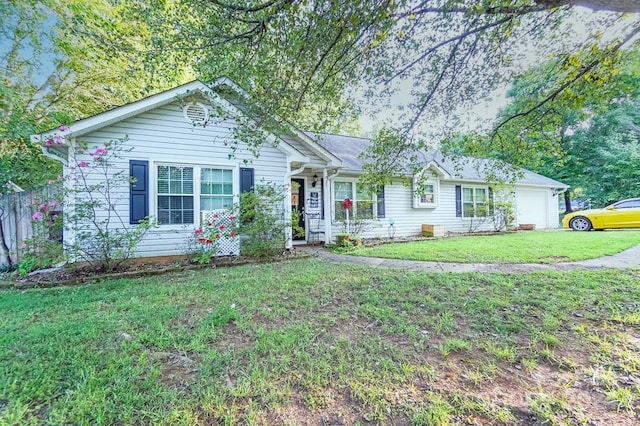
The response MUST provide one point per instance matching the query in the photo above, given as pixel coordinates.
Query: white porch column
(326, 207)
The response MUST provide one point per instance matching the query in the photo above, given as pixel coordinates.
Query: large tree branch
(247, 9)
(500, 10)
(583, 71)
(437, 46)
(624, 6)
(434, 88)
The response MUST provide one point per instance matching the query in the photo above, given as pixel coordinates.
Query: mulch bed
(70, 276)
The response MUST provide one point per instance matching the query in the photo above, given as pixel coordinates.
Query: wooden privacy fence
(16, 211)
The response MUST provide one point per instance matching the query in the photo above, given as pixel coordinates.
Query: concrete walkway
(627, 259)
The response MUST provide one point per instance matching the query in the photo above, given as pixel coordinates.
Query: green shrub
(262, 221)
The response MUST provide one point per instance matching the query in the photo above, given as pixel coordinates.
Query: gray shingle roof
(349, 148)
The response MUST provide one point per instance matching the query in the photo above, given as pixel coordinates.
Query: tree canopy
(317, 63)
(52, 72)
(302, 54)
(586, 137)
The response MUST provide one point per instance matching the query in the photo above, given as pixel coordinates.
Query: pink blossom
(43, 207)
(48, 142)
(98, 153)
(57, 139)
(83, 164)
(36, 216)
(50, 222)
(52, 204)
(63, 128)
(51, 182)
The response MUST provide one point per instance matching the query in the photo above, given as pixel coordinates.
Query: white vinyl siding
(163, 136)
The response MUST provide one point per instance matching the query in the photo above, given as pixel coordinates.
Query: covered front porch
(310, 207)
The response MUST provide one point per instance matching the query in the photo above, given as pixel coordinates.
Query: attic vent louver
(196, 113)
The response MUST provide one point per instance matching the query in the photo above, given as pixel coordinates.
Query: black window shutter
(138, 191)
(491, 205)
(246, 179)
(380, 196)
(458, 201)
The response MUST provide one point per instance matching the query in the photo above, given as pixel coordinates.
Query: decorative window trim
(475, 202)
(417, 198)
(196, 113)
(197, 173)
(355, 200)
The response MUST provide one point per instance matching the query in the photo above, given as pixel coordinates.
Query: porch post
(326, 207)
(288, 232)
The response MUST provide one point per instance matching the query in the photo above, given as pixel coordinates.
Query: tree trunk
(567, 202)
(3, 243)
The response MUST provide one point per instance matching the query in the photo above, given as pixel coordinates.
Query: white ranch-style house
(179, 154)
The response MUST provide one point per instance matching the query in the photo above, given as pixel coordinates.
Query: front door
(297, 209)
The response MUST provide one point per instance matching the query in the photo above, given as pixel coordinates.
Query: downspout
(287, 210)
(68, 202)
(328, 213)
(46, 153)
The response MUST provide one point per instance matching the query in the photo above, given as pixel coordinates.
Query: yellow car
(623, 214)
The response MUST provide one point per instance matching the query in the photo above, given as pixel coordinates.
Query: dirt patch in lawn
(175, 370)
(83, 274)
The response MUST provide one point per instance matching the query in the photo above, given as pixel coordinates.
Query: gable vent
(196, 113)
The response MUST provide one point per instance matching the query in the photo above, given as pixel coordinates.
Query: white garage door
(532, 206)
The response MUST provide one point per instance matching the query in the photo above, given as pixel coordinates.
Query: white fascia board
(514, 184)
(332, 160)
(98, 121)
(437, 169)
(538, 185)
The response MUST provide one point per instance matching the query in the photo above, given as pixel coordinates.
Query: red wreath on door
(347, 204)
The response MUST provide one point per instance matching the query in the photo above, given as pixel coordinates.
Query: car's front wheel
(580, 223)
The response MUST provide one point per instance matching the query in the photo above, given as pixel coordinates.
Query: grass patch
(310, 342)
(521, 247)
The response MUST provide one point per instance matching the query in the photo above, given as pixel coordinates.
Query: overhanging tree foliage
(52, 73)
(586, 137)
(316, 61)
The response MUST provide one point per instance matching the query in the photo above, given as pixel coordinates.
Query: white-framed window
(183, 190)
(475, 201)
(216, 188)
(427, 196)
(175, 195)
(364, 202)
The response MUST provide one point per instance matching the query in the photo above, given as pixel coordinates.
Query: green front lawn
(520, 247)
(310, 342)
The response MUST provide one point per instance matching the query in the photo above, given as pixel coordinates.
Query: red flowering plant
(217, 236)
